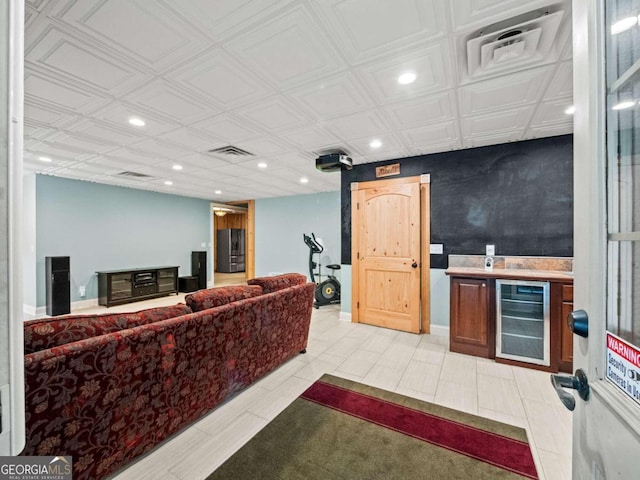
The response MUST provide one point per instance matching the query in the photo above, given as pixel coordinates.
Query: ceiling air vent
(232, 151)
(512, 44)
(133, 174)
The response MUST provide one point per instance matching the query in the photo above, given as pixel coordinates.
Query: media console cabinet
(116, 287)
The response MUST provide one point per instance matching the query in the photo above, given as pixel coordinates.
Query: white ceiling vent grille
(133, 174)
(515, 43)
(231, 151)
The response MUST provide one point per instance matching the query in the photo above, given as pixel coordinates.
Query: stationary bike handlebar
(312, 243)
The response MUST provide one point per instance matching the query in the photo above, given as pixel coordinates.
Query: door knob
(578, 323)
(578, 382)
(414, 265)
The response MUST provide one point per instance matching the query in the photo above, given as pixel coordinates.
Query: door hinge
(358, 305)
(358, 206)
(358, 256)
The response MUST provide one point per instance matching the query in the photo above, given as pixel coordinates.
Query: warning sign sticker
(623, 366)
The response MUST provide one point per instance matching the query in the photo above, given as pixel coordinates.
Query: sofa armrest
(278, 282)
(215, 297)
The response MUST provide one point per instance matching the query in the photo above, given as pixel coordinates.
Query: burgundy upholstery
(214, 297)
(45, 333)
(108, 399)
(278, 282)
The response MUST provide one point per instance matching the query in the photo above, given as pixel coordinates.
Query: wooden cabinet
(566, 336)
(116, 287)
(472, 329)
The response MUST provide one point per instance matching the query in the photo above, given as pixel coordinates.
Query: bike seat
(333, 266)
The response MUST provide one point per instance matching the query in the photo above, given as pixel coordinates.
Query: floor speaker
(58, 285)
(199, 268)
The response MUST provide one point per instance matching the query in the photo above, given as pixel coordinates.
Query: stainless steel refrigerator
(230, 253)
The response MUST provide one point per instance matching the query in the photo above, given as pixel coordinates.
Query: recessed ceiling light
(218, 192)
(262, 165)
(138, 122)
(304, 180)
(623, 105)
(177, 167)
(45, 159)
(407, 78)
(375, 143)
(570, 110)
(168, 182)
(624, 24)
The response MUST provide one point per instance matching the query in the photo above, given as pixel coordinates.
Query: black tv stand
(116, 287)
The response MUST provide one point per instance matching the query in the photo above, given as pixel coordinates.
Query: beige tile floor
(419, 366)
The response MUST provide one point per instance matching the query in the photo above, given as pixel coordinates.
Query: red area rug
(343, 429)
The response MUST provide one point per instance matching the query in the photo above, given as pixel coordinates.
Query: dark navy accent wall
(518, 196)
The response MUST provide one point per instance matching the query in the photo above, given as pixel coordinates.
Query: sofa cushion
(214, 297)
(278, 282)
(42, 334)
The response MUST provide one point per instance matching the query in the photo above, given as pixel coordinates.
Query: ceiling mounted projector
(332, 162)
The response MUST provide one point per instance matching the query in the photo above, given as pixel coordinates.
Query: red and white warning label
(623, 366)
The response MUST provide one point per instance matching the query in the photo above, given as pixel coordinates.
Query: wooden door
(386, 253)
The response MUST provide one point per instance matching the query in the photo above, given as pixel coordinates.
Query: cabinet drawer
(567, 293)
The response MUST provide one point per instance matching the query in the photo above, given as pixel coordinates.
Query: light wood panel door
(386, 253)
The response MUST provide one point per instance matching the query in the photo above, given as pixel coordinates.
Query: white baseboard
(441, 330)
(39, 312)
(345, 317)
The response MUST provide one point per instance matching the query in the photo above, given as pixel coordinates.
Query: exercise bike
(327, 292)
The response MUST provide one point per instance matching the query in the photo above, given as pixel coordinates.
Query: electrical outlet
(83, 291)
(491, 250)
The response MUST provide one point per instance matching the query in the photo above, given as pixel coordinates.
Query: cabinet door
(471, 330)
(167, 280)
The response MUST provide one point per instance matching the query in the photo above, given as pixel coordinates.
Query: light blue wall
(439, 297)
(102, 227)
(29, 242)
(280, 223)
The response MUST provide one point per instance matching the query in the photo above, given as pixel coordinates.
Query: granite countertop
(518, 274)
(518, 268)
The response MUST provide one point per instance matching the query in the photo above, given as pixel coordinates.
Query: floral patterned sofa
(107, 388)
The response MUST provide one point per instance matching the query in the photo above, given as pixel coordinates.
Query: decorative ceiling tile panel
(228, 128)
(333, 96)
(274, 114)
(166, 100)
(423, 110)
(413, 21)
(500, 122)
(504, 92)
(289, 50)
(432, 67)
(135, 34)
(221, 79)
(64, 55)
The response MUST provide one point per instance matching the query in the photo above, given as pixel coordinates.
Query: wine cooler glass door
(523, 321)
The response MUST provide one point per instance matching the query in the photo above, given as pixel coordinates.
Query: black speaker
(199, 268)
(58, 283)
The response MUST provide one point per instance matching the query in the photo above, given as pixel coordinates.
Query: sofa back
(42, 334)
(278, 282)
(217, 296)
(106, 400)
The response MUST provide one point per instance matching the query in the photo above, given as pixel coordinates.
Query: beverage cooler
(522, 327)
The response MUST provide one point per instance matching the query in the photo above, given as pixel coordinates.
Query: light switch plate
(436, 248)
(491, 250)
